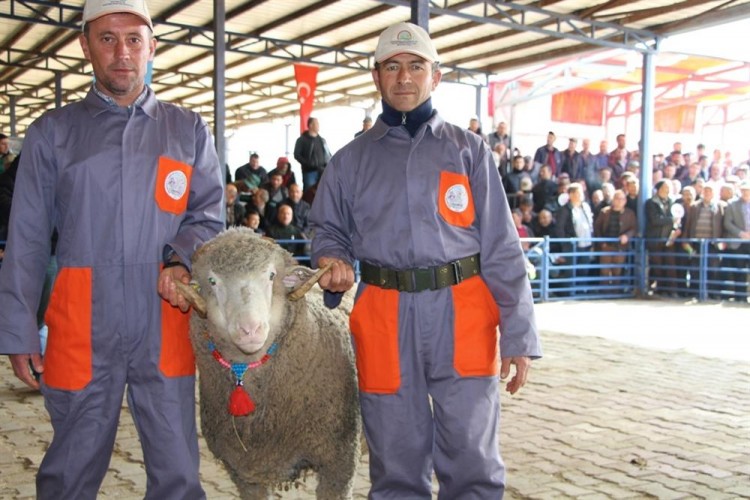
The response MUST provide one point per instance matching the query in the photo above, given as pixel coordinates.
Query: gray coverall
(400, 203)
(121, 185)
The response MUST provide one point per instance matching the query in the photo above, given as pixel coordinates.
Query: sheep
(304, 387)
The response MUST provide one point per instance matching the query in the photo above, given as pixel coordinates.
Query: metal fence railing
(561, 269)
(703, 269)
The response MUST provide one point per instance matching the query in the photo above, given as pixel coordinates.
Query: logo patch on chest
(456, 198)
(175, 184)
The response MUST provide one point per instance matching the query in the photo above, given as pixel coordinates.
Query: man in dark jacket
(659, 226)
(311, 151)
(300, 207)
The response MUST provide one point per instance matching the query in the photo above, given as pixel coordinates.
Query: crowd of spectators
(568, 193)
(576, 193)
(270, 203)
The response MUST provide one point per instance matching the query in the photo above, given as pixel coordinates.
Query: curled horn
(307, 285)
(193, 297)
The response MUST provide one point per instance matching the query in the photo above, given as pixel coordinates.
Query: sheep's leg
(335, 484)
(255, 492)
(251, 491)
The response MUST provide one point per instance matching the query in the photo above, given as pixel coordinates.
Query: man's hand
(340, 278)
(167, 288)
(22, 364)
(522, 364)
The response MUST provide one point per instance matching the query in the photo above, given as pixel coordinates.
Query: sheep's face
(241, 279)
(241, 307)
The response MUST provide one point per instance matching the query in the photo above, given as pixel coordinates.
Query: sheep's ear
(301, 279)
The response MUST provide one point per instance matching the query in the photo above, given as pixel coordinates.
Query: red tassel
(240, 403)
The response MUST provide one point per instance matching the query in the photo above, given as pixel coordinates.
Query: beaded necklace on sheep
(240, 402)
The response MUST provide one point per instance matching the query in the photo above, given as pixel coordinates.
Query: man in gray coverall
(420, 204)
(133, 186)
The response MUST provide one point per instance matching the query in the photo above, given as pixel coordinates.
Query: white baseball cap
(405, 38)
(94, 9)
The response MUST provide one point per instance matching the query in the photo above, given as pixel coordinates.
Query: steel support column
(13, 116)
(58, 89)
(647, 130)
(478, 105)
(219, 83)
(420, 13)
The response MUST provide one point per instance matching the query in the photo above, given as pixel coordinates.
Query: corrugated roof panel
(461, 36)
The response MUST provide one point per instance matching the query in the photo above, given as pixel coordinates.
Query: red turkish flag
(306, 77)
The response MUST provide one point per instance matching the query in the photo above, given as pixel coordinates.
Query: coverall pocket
(476, 346)
(176, 358)
(172, 185)
(455, 202)
(374, 326)
(68, 358)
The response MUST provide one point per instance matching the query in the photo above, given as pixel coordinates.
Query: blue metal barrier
(702, 269)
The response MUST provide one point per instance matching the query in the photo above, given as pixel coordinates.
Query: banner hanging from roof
(578, 106)
(677, 119)
(306, 77)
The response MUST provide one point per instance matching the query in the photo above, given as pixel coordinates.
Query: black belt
(424, 278)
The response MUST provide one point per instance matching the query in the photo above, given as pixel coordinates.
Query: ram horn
(307, 285)
(193, 297)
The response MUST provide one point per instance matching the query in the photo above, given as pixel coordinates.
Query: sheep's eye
(272, 276)
(212, 281)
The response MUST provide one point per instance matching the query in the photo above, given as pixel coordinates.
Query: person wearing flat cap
(133, 186)
(419, 203)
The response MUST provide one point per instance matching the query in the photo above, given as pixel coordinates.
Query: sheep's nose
(250, 329)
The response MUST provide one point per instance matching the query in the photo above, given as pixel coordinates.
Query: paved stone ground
(621, 417)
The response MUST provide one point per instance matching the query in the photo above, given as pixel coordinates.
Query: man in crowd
(549, 155)
(602, 157)
(300, 208)
(572, 164)
(500, 135)
(6, 155)
(615, 221)
(425, 338)
(544, 192)
(737, 225)
(235, 209)
(282, 228)
(476, 127)
(311, 151)
(620, 156)
(705, 219)
(660, 225)
(366, 125)
(502, 158)
(251, 175)
(284, 168)
(575, 220)
(133, 186)
(277, 193)
(512, 182)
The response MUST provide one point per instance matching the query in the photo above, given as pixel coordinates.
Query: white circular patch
(175, 184)
(456, 198)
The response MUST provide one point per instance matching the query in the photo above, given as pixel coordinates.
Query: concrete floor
(633, 399)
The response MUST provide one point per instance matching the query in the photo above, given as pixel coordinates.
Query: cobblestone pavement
(620, 417)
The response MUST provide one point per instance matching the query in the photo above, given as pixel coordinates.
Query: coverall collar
(98, 103)
(411, 120)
